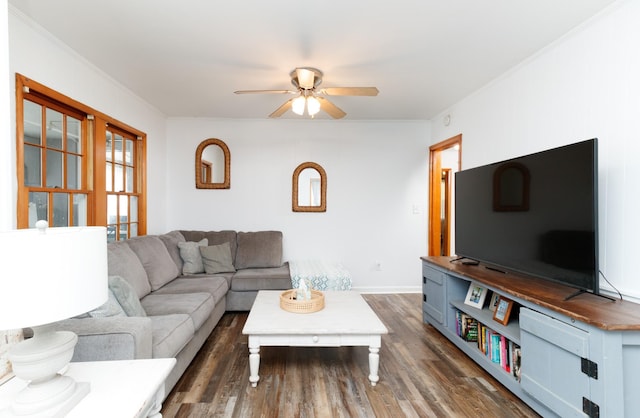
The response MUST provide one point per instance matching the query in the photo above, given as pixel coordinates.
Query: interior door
(444, 156)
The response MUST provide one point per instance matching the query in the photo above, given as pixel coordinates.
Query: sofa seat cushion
(171, 333)
(197, 305)
(155, 259)
(258, 250)
(125, 263)
(217, 286)
(261, 279)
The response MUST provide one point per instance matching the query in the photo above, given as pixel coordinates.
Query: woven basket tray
(289, 303)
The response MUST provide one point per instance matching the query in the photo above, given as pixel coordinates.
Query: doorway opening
(445, 158)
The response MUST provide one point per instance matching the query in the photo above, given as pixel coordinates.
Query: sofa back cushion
(214, 238)
(171, 241)
(155, 258)
(125, 263)
(260, 249)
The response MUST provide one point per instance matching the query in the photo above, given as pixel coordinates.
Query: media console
(578, 357)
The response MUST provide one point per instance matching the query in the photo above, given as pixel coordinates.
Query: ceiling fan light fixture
(313, 105)
(309, 97)
(297, 105)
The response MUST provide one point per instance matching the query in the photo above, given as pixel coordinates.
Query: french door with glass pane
(77, 166)
(54, 164)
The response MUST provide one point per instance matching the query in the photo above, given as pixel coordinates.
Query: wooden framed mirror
(309, 191)
(213, 165)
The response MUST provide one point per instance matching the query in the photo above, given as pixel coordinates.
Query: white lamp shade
(51, 274)
(313, 105)
(297, 105)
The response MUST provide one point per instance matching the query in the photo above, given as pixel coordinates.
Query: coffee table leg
(254, 365)
(374, 362)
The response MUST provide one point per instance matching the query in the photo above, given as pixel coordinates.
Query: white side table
(126, 388)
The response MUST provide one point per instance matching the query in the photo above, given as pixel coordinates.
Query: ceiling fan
(306, 80)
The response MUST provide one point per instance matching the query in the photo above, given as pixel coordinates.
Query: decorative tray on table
(288, 302)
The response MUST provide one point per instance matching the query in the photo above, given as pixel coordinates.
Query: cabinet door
(433, 293)
(552, 353)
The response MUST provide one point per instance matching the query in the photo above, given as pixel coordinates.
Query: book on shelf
(482, 329)
(470, 329)
(496, 347)
(466, 327)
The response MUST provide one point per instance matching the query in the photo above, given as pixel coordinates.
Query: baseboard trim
(388, 289)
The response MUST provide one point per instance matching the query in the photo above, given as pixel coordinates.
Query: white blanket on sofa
(321, 274)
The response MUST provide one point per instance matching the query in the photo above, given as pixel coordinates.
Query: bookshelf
(579, 357)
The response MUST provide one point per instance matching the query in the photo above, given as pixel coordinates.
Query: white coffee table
(346, 320)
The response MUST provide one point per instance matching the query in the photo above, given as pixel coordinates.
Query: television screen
(535, 214)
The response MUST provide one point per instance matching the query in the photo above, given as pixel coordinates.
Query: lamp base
(60, 396)
(39, 361)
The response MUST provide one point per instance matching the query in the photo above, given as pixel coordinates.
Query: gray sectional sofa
(167, 293)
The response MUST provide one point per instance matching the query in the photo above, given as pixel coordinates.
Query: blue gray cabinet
(580, 357)
(433, 294)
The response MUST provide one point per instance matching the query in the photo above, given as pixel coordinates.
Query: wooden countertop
(595, 310)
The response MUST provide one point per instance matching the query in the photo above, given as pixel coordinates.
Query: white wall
(68, 73)
(376, 173)
(7, 176)
(584, 85)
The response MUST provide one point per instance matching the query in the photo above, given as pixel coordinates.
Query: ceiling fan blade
(265, 91)
(305, 78)
(282, 109)
(349, 91)
(333, 110)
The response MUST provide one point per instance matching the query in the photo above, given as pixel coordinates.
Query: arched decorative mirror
(309, 188)
(213, 165)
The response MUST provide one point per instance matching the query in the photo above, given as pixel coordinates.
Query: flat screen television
(535, 214)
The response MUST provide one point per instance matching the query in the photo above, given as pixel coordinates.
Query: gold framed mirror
(309, 191)
(213, 165)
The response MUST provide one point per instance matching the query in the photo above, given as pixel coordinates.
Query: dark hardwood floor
(421, 375)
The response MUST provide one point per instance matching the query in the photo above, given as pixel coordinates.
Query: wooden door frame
(435, 189)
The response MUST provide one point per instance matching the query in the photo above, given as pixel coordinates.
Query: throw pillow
(126, 296)
(191, 258)
(217, 259)
(110, 308)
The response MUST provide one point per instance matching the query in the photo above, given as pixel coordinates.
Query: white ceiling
(187, 57)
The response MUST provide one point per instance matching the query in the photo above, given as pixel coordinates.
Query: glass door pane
(74, 172)
(79, 210)
(54, 169)
(38, 207)
(60, 209)
(32, 166)
(32, 122)
(54, 129)
(74, 135)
